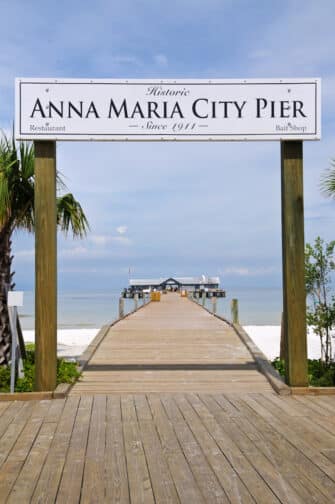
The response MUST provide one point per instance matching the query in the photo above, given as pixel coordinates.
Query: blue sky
(174, 209)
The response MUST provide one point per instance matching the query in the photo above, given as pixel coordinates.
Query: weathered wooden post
(214, 303)
(121, 307)
(234, 311)
(294, 295)
(203, 298)
(282, 339)
(135, 302)
(45, 266)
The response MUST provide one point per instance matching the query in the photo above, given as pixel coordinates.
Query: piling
(121, 307)
(214, 305)
(234, 311)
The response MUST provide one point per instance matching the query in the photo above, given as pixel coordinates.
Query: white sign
(15, 298)
(200, 110)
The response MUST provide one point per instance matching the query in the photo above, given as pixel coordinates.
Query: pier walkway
(206, 427)
(171, 346)
(157, 448)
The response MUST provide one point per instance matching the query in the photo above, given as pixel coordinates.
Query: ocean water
(257, 306)
(76, 310)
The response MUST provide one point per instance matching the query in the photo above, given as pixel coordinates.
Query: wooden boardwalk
(158, 448)
(171, 346)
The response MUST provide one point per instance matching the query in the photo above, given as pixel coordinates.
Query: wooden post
(45, 266)
(282, 339)
(121, 307)
(294, 295)
(214, 299)
(203, 298)
(234, 311)
(135, 302)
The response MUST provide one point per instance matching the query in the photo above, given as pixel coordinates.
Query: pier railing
(201, 299)
(138, 303)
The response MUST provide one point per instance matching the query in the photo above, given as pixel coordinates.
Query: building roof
(201, 280)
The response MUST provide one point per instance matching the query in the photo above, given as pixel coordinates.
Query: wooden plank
(11, 468)
(140, 488)
(45, 266)
(24, 485)
(55, 410)
(206, 479)
(128, 410)
(294, 295)
(313, 407)
(3, 407)
(25, 396)
(47, 485)
(268, 470)
(285, 450)
(13, 431)
(162, 483)
(255, 483)
(326, 403)
(302, 433)
(313, 434)
(271, 447)
(230, 481)
(185, 483)
(71, 482)
(117, 489)
(162, 448)
(93, 487)
(9, 416)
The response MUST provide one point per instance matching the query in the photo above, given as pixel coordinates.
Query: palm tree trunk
(5, 285)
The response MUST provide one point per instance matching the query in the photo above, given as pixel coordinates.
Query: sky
(174, 209)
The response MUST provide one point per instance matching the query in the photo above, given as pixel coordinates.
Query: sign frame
(223, 128)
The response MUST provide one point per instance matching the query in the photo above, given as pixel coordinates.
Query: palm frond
(327, 183)
(17, 188)
(70, 215)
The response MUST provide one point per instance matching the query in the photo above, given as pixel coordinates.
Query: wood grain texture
(169, 448)
(45, 266)
(294, 295)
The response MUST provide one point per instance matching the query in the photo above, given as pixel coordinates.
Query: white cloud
(248, 272)
(122, 229)
(122, 240)
(126, 60)
(25, 254)
(99, 239)
(79, 251)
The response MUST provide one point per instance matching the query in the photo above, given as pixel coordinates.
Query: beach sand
(267, 338)
(73, 342)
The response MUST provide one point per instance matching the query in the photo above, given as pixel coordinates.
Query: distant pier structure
(202, 285)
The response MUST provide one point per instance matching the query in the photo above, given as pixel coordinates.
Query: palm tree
(17, 212)
(327, 184)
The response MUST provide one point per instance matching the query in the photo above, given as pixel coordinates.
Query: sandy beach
(73, 342)
(267, 338)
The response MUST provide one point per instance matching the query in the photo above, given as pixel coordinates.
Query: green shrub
(67, 372)
(320, 374)
(4, 378)
(279, 364)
